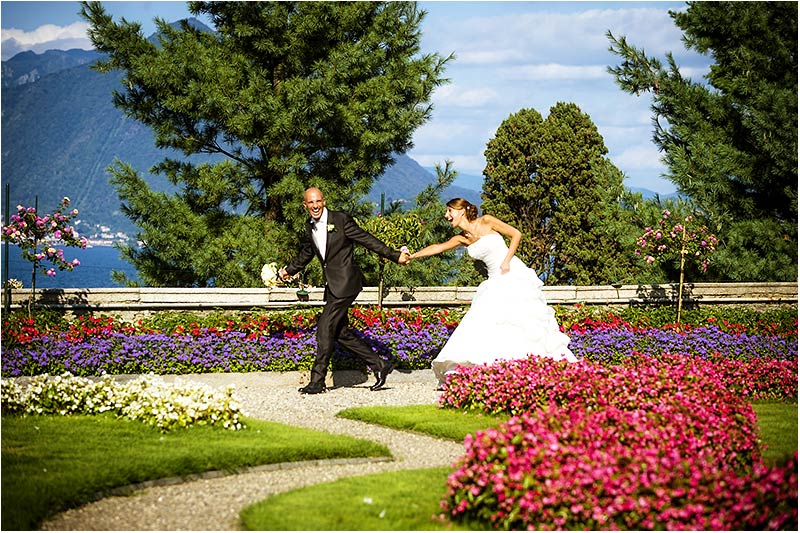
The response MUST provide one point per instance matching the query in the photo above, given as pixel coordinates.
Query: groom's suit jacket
(343, 278)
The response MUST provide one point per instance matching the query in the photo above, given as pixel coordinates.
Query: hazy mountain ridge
(59, 135)
(28, 67)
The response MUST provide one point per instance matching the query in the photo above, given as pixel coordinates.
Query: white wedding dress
(508, 319)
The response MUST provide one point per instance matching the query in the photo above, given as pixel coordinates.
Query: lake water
(94, 271)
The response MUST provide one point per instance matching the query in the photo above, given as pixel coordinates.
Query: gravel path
(213, 501)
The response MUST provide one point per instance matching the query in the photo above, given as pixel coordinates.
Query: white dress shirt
(319, 232)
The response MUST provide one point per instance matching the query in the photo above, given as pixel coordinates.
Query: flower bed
(572, 468)
(287, 341)
(656, 443)
(148, 399)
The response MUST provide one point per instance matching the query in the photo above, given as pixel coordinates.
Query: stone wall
(129, 302)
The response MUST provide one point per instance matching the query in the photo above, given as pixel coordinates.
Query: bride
(509, 317)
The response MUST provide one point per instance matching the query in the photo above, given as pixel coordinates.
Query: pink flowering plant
(37, 236)
(560, 468)
(677, 239)
(656, 443)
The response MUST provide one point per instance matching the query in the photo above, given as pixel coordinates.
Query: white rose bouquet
(269, 275)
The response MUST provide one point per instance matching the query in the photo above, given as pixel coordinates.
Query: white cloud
(456, 96)
(43, 38)
(553, 71)
(48, 33)
(489, 56)
(472, 164)
(547, 34)
(639, 157)
(440, 132)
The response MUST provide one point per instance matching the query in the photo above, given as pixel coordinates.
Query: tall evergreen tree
(284, 95)
(730, 143)
(549, 178)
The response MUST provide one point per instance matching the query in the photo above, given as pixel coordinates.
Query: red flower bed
(574, 468)
(652, 444)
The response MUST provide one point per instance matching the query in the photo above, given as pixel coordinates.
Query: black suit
(343, 282)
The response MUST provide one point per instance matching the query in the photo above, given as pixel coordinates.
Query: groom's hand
(405, 257)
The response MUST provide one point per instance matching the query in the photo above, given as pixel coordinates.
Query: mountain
(28, 67)
(406, 178)
(647, 193)
(60, 132)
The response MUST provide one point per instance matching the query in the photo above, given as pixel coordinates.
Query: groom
(330, 236)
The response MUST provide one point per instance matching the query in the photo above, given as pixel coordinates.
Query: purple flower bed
(410, 346)
(612, 345)
(212, 351)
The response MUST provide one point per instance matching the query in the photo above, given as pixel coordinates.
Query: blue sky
(509, 56)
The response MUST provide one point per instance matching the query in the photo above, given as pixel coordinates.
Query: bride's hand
(505, 267)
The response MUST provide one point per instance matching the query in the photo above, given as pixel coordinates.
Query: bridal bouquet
(269, 275)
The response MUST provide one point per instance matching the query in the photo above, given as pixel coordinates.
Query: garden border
(144, 300)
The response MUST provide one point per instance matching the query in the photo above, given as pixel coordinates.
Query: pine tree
(730, 143)
(550, 179)
(280, 97)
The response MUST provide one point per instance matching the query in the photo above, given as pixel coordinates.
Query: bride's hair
(460, 203)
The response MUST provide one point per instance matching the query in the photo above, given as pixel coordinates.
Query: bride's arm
(510, 231)
(433, 249)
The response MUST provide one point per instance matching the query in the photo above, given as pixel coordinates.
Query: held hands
(284, 275)
(405, 257)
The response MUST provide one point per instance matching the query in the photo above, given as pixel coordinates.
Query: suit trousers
(332, 326)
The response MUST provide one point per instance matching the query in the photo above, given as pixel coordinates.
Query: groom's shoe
(381, 375)
(313, 388)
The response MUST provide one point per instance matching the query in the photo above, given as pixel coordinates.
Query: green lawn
(428, 419)
(777, 424)
(396, 501)
(51, 463)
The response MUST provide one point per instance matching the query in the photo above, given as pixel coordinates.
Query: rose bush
(29, 231)
(676, 238)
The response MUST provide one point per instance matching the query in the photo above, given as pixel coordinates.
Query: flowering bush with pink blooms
(29, 231)
(674, 238)
(515, 387)
(655, 443)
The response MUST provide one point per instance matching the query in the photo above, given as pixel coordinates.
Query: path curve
(214, 503)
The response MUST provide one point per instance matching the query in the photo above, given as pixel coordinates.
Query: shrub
(515, 387)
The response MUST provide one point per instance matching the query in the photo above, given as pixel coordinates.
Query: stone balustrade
(129, 302)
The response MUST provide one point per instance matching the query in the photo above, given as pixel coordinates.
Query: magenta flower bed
(516, 387)
(572, 468)
(653, 444)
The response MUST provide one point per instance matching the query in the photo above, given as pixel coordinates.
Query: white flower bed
(149, 399)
